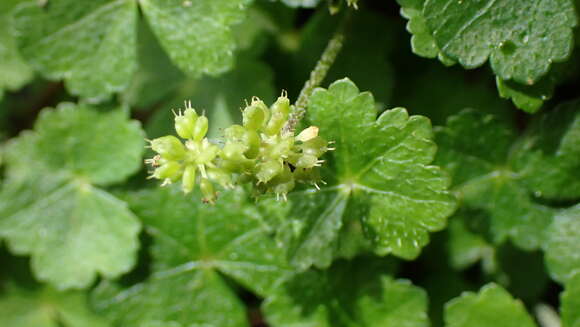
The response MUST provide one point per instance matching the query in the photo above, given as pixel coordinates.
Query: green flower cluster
(259, 151)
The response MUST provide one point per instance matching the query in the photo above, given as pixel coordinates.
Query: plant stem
(317, 75)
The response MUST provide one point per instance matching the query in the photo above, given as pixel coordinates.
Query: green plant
(317, 207)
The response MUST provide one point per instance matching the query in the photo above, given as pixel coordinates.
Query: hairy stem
(317, 75)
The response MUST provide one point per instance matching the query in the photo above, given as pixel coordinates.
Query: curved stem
(317, 75)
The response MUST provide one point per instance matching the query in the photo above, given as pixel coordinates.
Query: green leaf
(45, 307)
(496, 193)
(346, 295)
(465, 246)
(529, 98)
(90, 44)
(521, 38)
(473, 144)
(194, 246)
(422, 41)
(492, 306)
(78, 231)
(570, 300)
(104, 148)
(196, 34)
(548, 158)
(50, 207)
(562, 248)
(379, 175)
(311, 225)
(14, 72)
(474, 148)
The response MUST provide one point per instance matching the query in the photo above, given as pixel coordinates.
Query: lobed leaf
(379, 175)
(520, 51)
(562, 250)
(466, 246)
(14, 72)
(475, 148)
(492, 306)
(194, 247)
(50, 205)
(94, 46)
(104, 148)
(345, 295)
(422, 41)
(521, 38)
(45, 307)
(529, 98)
(91, 45)
(548, 158)
(196, 34)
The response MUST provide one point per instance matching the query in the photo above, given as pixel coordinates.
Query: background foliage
(451, 198)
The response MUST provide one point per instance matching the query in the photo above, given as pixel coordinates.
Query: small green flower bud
(188, 180)
(306, 161)
(307, 175)
(169, 147)
(278, 148)
(302, 175)
(233, 157)
(200, 128)
(233, 151)
(207, 191)
(283, 183)
(255, 115)
(280, 111)
(185, 123)
(275, 124)
(247, 137)
(315, 147)
(169, 170)
(253, 141)
(268, 170)
(282, 105)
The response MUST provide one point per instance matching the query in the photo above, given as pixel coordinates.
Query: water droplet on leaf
(507, 47)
